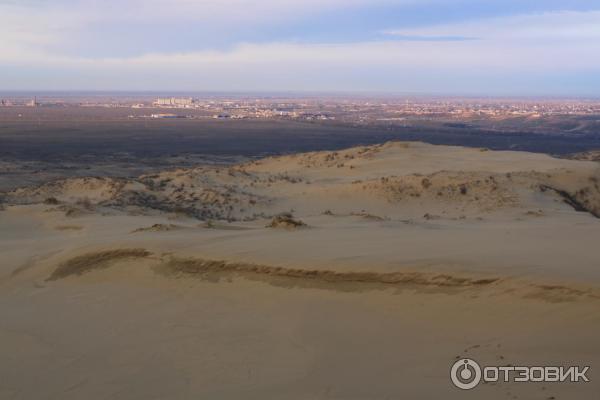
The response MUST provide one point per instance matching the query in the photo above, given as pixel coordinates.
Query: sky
(458, 47)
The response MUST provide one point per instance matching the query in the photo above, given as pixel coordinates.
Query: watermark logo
(466, 374)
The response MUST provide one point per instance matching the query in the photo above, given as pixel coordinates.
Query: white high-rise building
(174, 102)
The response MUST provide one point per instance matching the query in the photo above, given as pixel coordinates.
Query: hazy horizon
(288, 93)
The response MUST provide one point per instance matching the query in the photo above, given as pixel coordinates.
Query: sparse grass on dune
(201, 267)
(68, 228)
(158, 228)
(215, 270)
(287, 221)
(91, 261)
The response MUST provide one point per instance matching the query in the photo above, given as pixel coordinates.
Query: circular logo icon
(465, 374)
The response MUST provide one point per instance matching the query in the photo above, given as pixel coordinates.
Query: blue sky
(479, 47)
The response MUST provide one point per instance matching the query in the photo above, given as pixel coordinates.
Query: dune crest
(446, 180)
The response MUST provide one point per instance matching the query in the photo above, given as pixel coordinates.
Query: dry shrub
(285, 220)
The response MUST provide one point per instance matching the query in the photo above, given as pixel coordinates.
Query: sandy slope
(174, 286)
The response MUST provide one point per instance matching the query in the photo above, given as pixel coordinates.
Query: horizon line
(317, 93)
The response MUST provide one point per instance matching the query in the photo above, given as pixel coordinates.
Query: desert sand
(358, 274)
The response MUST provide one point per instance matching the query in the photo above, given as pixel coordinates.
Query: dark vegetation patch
(93, 261)
(215, 270)
(580, 201)
(285, 220)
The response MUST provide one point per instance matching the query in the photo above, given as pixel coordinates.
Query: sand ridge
(173, 266)
(423, 176)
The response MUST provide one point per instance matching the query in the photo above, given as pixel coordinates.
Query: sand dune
(358, 274)
(422, 176)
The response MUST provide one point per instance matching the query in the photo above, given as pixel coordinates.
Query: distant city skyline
(444, 47)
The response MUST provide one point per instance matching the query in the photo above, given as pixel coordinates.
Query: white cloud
(402, 54)
(33, 29)
(32, 37)
(25, 30)
(564, 25)
(207, 11)
(241, 9)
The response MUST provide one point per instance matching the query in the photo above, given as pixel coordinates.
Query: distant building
(162, 116)
(174, 102)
